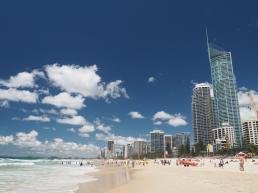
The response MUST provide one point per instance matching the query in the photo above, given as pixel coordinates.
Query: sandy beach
(156, 178)
(107, 179)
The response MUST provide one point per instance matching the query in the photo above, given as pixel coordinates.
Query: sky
(77, 73)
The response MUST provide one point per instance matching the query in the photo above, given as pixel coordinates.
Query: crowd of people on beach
(126, 163)
(77, 163)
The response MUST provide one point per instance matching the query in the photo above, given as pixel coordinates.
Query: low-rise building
(224, 137)
(250, 132)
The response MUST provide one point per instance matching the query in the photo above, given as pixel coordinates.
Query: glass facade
(225, 90)
(203, 113)
(157, 141)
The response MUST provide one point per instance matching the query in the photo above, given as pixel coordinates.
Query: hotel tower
(225, 89)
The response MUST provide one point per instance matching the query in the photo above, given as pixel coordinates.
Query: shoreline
(107, 178)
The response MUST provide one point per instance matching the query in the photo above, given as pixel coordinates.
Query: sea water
(43, 175)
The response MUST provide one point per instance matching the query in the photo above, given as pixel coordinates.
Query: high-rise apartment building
(140, 148)
(110, 148)
(203, 115)
(181, 139)
(250, 132)
(225, 90)
(168, 142)
(157, 141)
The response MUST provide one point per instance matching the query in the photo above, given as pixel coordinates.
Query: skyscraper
(203, 115)
(157, 141)
(110, 148)
(225, 89)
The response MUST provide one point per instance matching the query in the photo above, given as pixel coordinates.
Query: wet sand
(106, 179)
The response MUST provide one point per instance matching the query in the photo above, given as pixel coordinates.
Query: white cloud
(246, 110)
(86, 129)
(27, 139)
(64, 99)
(44, 111)
(151, 79)
(4, 104)
(84, 81)
(177, 120)
(22, 80)
(18, 95)
(157, 123)
(161, 115)
(173, 120)
(116, 119)
(72, 120)
(114, 90)
(70, 112)
(37, 118)
(136, 115)
(119, 140)
(4, 140)
(57, 147)
(71, 130)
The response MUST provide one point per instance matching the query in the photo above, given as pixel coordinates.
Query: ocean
(43, 175)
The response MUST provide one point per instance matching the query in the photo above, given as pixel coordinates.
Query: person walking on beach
(241, 163)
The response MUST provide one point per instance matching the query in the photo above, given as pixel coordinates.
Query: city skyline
(76, 80)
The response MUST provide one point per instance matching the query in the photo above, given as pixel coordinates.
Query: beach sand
(179, 179)
(107, 178)
(160, 179)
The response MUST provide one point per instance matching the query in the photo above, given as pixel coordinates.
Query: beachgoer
(241, 163)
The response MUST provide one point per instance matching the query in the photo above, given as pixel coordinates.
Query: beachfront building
(225, 90)
(203, 115)
(224, 136)
(127, 151)
(168, 144)
(140, 148)
(110, 149)
(157, 141)
(250, 132)
(181, 139)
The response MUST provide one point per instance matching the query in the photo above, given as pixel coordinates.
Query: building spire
(207, 39)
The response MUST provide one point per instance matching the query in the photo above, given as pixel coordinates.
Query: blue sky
(116, 47)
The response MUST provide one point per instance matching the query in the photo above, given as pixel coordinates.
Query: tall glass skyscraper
(225, 90)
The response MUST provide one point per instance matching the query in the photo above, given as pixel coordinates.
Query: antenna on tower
(207, 39)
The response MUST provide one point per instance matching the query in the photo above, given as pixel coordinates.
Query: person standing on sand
(241, 163)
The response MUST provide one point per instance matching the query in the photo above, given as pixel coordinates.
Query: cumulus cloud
(116, 119)
(173, 120)
(70, 112)
(71, 130)
(114, 90)
(4, 140)
(57, 147)
(102, 127)
(72, 120)
(151, 79)
(246, 110)
(86, 129)
(15, 95)
(84, 81)
(4, 104)
(22, 80)
(119, 140)
(37, 118)
(157, 122)
(65, 99)
(136, 115)
(27, 139)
